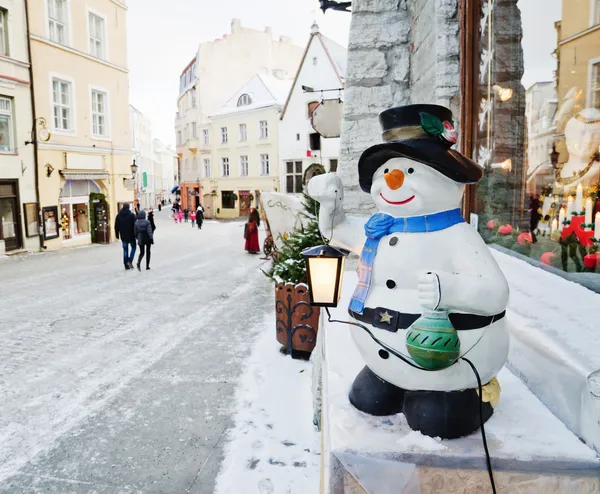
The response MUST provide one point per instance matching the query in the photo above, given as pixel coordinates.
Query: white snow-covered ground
(274, 447)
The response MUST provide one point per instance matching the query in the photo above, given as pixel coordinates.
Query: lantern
(325, 271)
(134, 168)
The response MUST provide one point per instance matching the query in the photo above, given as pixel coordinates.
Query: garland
(94, 196)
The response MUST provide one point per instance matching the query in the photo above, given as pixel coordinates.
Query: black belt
(392, 320)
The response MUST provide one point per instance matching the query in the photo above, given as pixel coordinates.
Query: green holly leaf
(431, 124)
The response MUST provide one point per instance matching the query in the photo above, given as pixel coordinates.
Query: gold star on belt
(386, 317)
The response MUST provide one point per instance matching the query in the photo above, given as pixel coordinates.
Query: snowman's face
(403, 187)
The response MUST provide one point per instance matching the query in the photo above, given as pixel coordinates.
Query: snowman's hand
(430, 292)
(327, 189)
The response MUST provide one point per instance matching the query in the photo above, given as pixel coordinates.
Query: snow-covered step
(531, 449)
(555, 344)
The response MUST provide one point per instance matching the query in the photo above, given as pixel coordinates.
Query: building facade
(319, 79)
(145, 187)
(19, 219)
(166, 162)
(81, 89)
(244, 157)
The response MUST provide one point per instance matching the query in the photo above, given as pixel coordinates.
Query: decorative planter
(297, 321)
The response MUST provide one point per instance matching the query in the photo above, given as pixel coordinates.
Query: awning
(85, 174)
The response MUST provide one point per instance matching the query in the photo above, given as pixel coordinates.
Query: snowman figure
(418, 255)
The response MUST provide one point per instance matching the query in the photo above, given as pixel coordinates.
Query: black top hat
(423, 133)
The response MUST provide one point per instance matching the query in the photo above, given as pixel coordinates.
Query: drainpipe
(34, 116)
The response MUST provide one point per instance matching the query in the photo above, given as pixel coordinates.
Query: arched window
(244, 100)
(195, 164)
(187, 164)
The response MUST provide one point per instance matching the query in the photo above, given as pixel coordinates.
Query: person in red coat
(251, 232)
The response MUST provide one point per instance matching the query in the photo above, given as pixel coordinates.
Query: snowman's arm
(345, 231)
(477, 284)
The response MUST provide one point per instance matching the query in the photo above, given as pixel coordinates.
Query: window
(315, 61)
(297, 137)
(62, 102)
(244, 100)
(596, 7)
(187, 165)
(193, 98)
(243, 166)
(99, 112)
(6, 126)
(224, 138)
(206, 167)
(194, 130)
(293, 177)
(225, 167)
(3, 32)
(243, 133)
(195, 165)
(97, 35)
(186, 132)
(228, 199)
(595, 84)
(57, 21)
(205, 139)
(264, 129)
(179, 138)
(312, 106)
(333, 164)
(264, 164)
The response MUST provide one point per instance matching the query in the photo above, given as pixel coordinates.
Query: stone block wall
(399, 52)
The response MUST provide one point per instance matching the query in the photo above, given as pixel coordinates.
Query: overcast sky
(163, 36)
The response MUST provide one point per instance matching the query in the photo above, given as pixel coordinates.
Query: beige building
(81, 88)
(18, 203)
(242, 154)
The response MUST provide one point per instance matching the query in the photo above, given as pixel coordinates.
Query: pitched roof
(337, 55)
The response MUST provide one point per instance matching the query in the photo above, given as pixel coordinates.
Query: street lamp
(330, 4)
(134, 169)
(325, 272)
(554, 155)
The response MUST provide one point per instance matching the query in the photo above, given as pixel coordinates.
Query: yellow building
(81, 89)
(239, 149)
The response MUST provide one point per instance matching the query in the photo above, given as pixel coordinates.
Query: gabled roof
(336, 54)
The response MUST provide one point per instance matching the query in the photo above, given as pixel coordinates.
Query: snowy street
(125, 381)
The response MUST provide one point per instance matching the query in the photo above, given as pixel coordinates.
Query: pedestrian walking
(124, 230)
(145, 238)
(186, 214)
(151, 219)
(199, 216)
(180, 215)
(251, 232)
(193, 218)
(159, 207)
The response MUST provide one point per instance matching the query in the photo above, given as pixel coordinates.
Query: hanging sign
(327, 118)
(129, 183)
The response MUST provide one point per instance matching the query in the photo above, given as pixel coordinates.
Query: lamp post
(325, 272)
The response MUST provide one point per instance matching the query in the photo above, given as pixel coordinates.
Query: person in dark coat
(199, 216)
(124, 229)
(151, 219)
(145, 237)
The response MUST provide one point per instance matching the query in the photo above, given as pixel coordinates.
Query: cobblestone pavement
(123, 381)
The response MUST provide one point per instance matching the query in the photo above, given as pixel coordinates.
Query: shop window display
(537, 134)
(74, 207)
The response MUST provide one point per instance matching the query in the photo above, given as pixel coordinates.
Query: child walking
(180, 216)
(193, 218)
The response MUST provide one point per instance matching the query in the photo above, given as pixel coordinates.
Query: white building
(19, 209)
(319, 77)
(141, 130)
(165, 169)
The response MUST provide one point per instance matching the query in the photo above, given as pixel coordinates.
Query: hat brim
(447, 161)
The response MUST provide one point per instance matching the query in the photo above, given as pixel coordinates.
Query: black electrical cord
(407, 361)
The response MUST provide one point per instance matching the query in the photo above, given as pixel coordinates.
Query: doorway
(207, 204)
(102, 229)
(10, 230)
(245, 202)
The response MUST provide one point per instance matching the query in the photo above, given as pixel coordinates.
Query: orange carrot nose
(394, 179)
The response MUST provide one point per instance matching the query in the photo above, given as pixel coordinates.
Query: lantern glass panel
(323, 283)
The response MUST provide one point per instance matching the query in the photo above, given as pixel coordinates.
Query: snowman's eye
(411, 171)
(386, 170)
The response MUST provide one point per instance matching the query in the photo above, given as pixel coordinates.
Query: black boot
(373, 395)
(445, 414)
(138, 266)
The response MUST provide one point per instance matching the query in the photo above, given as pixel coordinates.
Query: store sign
(145, 179)
(327, 118)
(129, 183)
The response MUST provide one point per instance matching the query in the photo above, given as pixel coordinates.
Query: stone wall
(400, 52)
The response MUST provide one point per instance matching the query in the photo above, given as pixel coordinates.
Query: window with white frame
(97, 35)
(595, 85)
(179, 138)
(57, 21)
(264, 164)
(3, 32)
(243, 166)
(224, 138)
(293, 177)
(195, 165)
(206, 167)
(193, 98)
(264, 129)
(62, 99)
(243, 133)
(6, 125)
(186, 132)
(205, 138)
(194, 130)
(225, 167)
(99, 113)
(244, 100)
(596, 6)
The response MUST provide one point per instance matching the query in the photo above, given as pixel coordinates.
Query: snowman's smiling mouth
(397, 203)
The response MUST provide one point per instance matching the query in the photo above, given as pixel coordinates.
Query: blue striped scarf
(380, 225)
